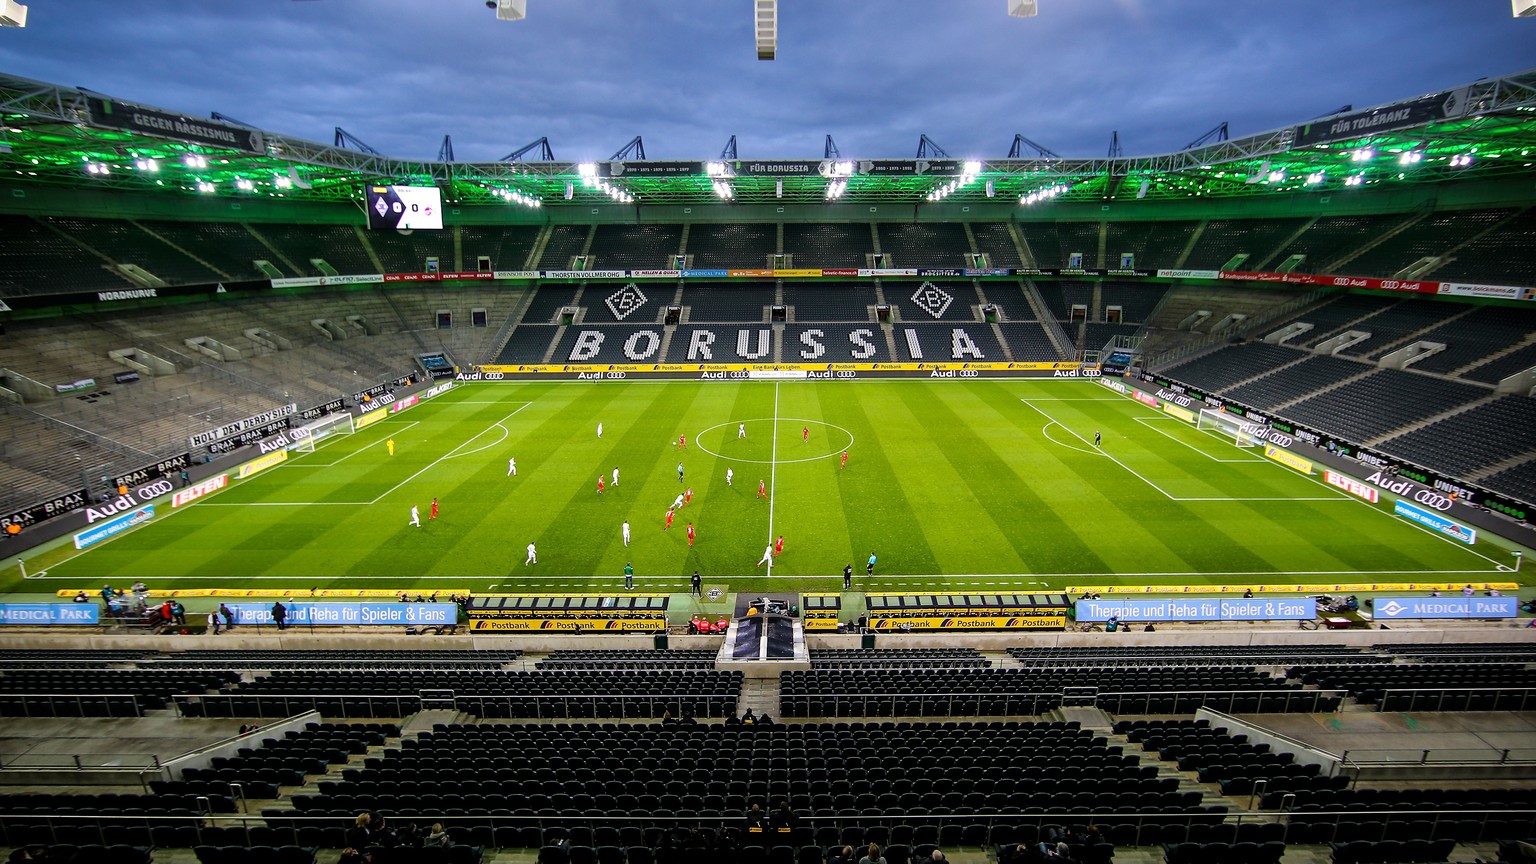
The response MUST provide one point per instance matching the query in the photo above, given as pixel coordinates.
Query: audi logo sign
(1432, 499)
(154, 490)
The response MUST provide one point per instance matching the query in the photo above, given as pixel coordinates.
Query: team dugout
(640, 612)
(905, 612)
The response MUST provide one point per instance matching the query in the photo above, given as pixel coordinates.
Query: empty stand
(565, 242)
(727, 302)
(635, 247)
(1297, 380)
(507, 246)
(994, 239)
(745, 246)
(1222, 239)
(1500, 257)
(835, 343)
(1155, 244)
(1382, 401)
(835, 245)
(924, 244)
(1229, 364)
(918, 302)
(1431, 236)
(1331, 237)
(1462, 443)
(818, 301)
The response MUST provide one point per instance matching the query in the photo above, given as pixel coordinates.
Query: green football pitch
(955, 485)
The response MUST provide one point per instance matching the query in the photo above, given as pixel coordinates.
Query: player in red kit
(690, 535)
(599, 484)
(434, 509)
(778, 547)
(845, 461)
(669, 521)
(682, 442)
(805, 434)
(762, 489)
(688, 496)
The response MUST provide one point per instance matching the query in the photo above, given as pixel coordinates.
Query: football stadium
(986, 510)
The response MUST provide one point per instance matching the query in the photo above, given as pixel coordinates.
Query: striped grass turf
(956, 485)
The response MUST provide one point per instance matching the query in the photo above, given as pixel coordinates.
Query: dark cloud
(876, 74)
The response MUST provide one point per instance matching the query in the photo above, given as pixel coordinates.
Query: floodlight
(1029, 9)
(1524, 8)
(587, 169)
(12, 14)
(509, 10)
(766, 24)
(715, 169)
(971, 168)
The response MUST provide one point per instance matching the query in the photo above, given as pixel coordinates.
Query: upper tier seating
(35, 259)
(337, 245)
(1500, 257)
(1224, 238)
(994, 239)
(1135, 299)
(1053, 243)
(226, 246)
(507, 246)
(126, 243)
(408, 253)
(1331, 237)
(1155, 244)
(565, 242)
(1433, 235)
(924, 244)
(831, 246)
(635, 247)
(1380, 402)
(1465, 442)
(750, 246)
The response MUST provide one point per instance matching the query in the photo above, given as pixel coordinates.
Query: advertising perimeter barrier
(777, 371)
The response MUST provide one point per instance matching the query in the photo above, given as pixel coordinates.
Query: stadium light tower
(13, 14)
(765, 15)
(509, 10)
(1029, 9)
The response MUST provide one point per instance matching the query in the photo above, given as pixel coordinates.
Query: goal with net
(306, 437)
(1239, 429)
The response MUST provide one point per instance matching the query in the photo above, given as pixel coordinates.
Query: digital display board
(405, 207)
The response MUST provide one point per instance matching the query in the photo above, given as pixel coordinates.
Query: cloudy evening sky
(591, 74)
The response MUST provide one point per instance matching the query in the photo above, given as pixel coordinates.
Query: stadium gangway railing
(1487, 698)
(278, 705)
(974, 704)
(28, 829)
(361, 706)
(1439, 756)
(629, 706)
(970, 704)
(1227, 701)
(19, 704)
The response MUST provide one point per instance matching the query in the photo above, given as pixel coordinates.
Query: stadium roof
(78, 138)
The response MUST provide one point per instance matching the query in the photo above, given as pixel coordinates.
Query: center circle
(759, 440)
